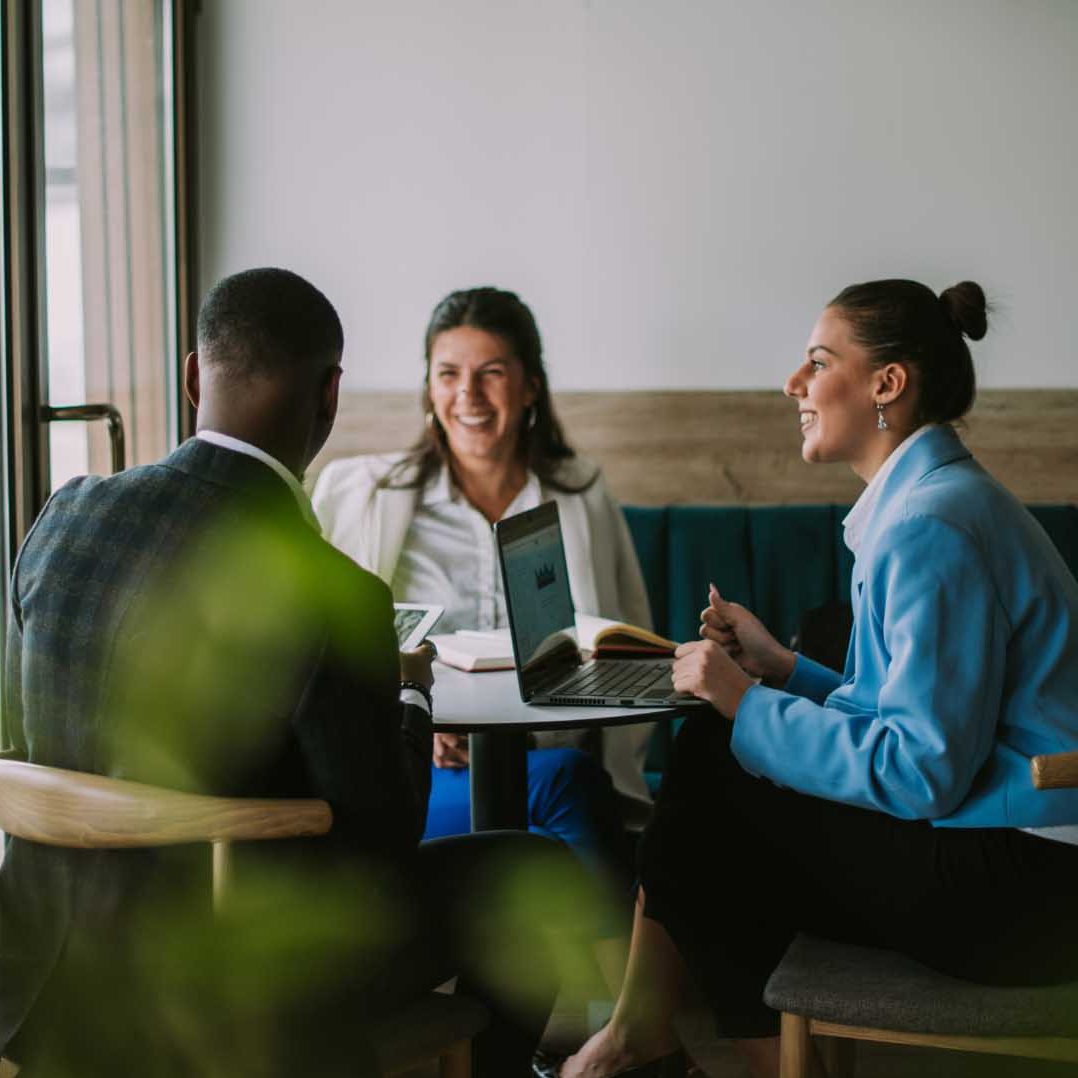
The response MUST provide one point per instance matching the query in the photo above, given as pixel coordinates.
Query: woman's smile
(472, 419)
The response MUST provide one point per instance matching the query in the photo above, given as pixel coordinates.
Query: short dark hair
(543, 444)
(906, 322)
(268, 321)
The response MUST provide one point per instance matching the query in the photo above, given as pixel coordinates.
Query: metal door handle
(87, 413)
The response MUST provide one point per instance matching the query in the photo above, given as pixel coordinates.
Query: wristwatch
(422, 690)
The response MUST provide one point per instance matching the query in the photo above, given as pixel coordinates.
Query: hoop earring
(881, 423)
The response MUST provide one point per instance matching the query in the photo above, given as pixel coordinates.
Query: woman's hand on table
(743, 637)
(704, 669)
(451, 750)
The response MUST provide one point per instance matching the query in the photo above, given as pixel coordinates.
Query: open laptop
(540, 607)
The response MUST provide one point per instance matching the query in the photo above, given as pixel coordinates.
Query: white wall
(675, 186)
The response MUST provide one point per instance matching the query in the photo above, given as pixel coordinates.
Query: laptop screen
(537, 596)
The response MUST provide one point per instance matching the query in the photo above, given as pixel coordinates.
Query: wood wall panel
(744, 447)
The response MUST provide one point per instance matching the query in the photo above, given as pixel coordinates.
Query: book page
(588, 626)
(469, 650)
(616, 635)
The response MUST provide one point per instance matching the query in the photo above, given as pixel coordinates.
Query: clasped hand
(735, 651)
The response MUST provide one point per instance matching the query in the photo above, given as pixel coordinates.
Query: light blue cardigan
(963, 661)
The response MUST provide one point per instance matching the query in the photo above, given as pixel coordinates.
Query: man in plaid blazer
(184, 624)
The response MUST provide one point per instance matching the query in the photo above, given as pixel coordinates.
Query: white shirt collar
(237, 445)
(441, 488)
(856, 520)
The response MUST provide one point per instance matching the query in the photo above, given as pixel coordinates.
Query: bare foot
(611, 1051)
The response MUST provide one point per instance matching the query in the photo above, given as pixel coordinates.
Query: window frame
(24, 444)
(24, 385)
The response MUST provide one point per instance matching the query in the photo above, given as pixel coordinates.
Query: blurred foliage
(213, 660)
(252, 992)
(549, 889)
(289, 976)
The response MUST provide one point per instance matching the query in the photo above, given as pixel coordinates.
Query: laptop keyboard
(611, 677)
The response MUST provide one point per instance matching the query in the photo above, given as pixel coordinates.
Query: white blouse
(450, 556)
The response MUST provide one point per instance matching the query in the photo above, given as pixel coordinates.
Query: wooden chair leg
(456, 1061)
(222, 864)
(837, 1055)
(795, 1051)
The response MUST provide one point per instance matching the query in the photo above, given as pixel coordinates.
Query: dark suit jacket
(182, 624)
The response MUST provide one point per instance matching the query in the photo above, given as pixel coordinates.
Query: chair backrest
(1056, 771)
(84, 811)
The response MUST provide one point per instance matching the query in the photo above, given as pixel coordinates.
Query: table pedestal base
(499, 780)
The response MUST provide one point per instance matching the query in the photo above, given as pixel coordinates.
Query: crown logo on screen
(544, 576)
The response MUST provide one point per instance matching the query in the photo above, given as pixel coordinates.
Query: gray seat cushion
(861, 986)
(424, 1028)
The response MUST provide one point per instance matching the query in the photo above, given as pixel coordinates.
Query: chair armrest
(74, 809)
(1058, 770)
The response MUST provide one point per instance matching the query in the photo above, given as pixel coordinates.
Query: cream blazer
(370, 524)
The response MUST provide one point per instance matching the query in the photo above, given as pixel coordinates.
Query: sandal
(548, 1065)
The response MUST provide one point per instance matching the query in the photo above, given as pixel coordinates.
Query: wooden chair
(832, 995)
(84, 811)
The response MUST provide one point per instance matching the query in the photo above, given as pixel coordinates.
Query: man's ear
(891, 382)
(331, 394)
(190, 379)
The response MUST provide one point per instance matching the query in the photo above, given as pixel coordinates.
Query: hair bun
(967, 308)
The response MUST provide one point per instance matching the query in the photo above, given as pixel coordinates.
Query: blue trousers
(570, 798)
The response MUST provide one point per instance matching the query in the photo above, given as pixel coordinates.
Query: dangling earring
(881, 423)
(533, 413)
(428, 418)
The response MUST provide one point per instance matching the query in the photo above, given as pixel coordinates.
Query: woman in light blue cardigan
(896, 797)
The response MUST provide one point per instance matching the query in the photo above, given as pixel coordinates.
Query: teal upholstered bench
(779, 561)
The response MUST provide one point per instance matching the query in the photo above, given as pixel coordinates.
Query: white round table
(487, 706)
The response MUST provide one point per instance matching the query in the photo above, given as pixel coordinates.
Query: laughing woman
(892, 805)
(422, 521)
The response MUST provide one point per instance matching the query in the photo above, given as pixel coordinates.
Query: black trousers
(734, 866)
(296, 972)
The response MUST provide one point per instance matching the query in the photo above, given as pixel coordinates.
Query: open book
(602, 638)
(597, 637)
